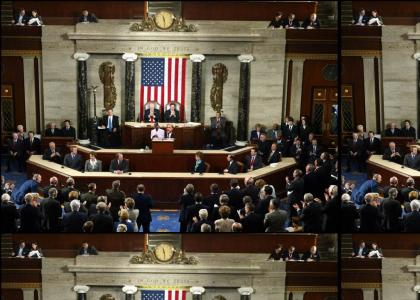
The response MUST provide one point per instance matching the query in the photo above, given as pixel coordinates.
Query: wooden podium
(163, 146)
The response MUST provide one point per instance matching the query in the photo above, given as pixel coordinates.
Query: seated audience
(291, 22)
(29, 186)
(35, 251)
(277, 253)
(361, 18)
(277, 22)
(151, 115)
(119, 165)
(52, 130)
(87, 17)
(199, 166)
(68, 130)
(253, 161)
(172, 114)
(143, 202)
(169, 132)
(232, 167)
(21, 251)
(312, 22)
(291, 254)
(392, 131)
(375, 19)
(21, 18)
(16, 153)
(392, 153)
(73, 160)
(73, 221)
(93, 164)
(311, 255)
(412, 159)
(157, 133)
(375, 251)
(35, 19)
(87, 250)
(52, 153)
(360, 251)
(408, 130)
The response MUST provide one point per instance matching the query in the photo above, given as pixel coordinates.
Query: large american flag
(163, 295)
(163, 80)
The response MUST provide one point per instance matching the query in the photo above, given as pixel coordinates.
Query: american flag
(163, 80)
(163, 295)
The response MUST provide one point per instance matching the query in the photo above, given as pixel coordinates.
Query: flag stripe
(184, 71)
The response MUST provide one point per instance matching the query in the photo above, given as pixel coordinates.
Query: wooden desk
(187, 135)
(178, 161)
(166, 188)
(375, 164)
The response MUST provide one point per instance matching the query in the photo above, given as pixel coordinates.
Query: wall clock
(164, 19)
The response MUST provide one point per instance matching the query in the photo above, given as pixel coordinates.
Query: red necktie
(252, 160)
(152, 119)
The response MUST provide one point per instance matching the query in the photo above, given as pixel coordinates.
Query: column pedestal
(130, 84)
(244, 93)
(81, 291)
(197, 292)
(82, 98)
(196, 91)
(245, 293)
(129, 291)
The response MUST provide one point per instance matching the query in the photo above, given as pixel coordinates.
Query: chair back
(241, 166)
(207, 167)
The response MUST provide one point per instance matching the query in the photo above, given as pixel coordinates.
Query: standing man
(143, 202)
(111, 124)
(218, 130)
(68, 130)
(15, 152)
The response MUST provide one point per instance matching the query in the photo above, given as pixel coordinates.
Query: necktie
(31, 141)
(109, 124)
(72, 156)
(52, 131)
(152, 119)
(252, 160)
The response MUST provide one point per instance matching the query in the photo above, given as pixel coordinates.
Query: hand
(195, 219)
(114, 129)
(296, 206)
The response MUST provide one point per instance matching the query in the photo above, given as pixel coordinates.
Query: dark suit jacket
(25, 251)
(143, 202)
(315, 24)
(167, 135)
(254, 135)
(252, 191)
(9, 215)
(296, 187)
(200, 168)
(75, 163)
(304, 133)
(73, 221)
(51, 212)
(122, 166)
(91, 18)
(102, 223)
(192, 211)
(290, 135)
(375, 146)
(348, 216)
(411, 222)
(365, 251)
(185, 201)
(115, 122)
(291, 24)
(257, 162)
(312, 218)
(392, 212)
(171, 119)
(370, 219)
(276, 23)
(235, 198)
(16, 147)
(396, 133)
(156, 112)
(252, 223)
(35, 146)
(56, 158)
(71, 132)
(413, 163)
(411, 132)
(314, 153)
(312, 184)
(396, 159)
(357, 146)
(116, 198)
(264, 148)
(48, 132)
(25, 19)
(211, 200)
(233, 167)
(287, 256)
(365, 19)
(30, 219)
(308, 255)
(90, 250)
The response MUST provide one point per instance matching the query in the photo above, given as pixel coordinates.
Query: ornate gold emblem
(164, 253)
(106, 75)
(163, 21)
(220, 75)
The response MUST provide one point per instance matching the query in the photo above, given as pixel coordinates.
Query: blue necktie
(109, 124)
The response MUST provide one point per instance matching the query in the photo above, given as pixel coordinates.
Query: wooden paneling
(352, 294)
(361, 38)
(246, 243)
(392, 245)
(311, 274)
(21, 38)
(11, 294)
(355, 270)
(319, 296)
(320, 41)
(392, 12)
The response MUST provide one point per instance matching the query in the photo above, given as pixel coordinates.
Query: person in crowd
(119, 164)
(355, 153)
(392, 153)
(408, 130)
(372, 145)
(169, 132)
(311, 214)
(172, 114)
(304, 130)
(410, 186)
(277, 22)
(9, 214)
(218, 130)
(73, 221)
(151, 114)
(370, 215)
(291, 254)
(123, 220)
(349, 214)
(392, 211)
(281, 144)
(22, 134)
(87, 17)
(143, 203)
(274, 156)
(273, 132)
(32, 145)
(375, 19)
(251, 222)
(253, 161)
(375, 251)
(360, 251)
(52, 153)
(411, 221)
(68, 130)
(369, 186)
(199, 166)
(361, 19)
(412, 159)
(15, 150)
(312, 22)
(263, 146)
(35, 251)
(121, 228)
(35, 19)
(392, 131)
(73, 160)
(110, 124)
(295, 188)
(133, 213)
(234, 195)
(51, 212)
(290, 130)
(102, 220)
(276, 218)
(297, 151)
(185, 201)
(116, 198)
(224, 224)
(21, 251)
(277, 253)
(313, 151)
(65, 192)
(393, 183)
(311, 255)
(86, 249)
(193, 209)
(93, 164)
(202, 219)
(255, 133)
(331, 208)
(205, 228)
(21, 18)
(291, 22)
(90, 198)
(232, 167)
(30, 215)
(29, 186)
(213, 198)
(157, 133)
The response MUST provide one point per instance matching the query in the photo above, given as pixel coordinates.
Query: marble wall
(397, 282)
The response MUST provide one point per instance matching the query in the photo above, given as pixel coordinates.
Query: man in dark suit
(264, 202)
(312, 22)
(232, 167)
(87, 17)
(90, 198)
(68, 130)
(391, 209)
(264, 147)
(73, 221)
(52, 154)
(291, 22)
(32, 145)
(411, 221)
(21, 251)
(291, 254)
(53, 184)
(253, 161)
(408, 130)
(102, 220)
(169, 132)
(192, 210)
(73, 160)
(361, 18)
(251, 222)
(392, 131)
(87, 250)
(375, 19)
(30, 216)
(274, 156)
(277, 22)
(412, 159)
(290, 131)
(143, 202)
(9, 214)
(213, 198)
(116, 198)
(370, 216)
(360, 251)
(311, 215)
(172, 115)
(110, 125)
(21, 18)
(349, 214)
(119, 165)
(218, 130)
(313, 151)
(355, 152)
(152, 114)
(15, 150)
(295, 188)
(234, 194)
(372, 145)
(312, 182)
(250, 190)
(392, 153)
(311, 255)
(410, 186)
(52, 130)
(51, 212)
(255, 133)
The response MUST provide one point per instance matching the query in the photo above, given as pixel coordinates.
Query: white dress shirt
(159, 134)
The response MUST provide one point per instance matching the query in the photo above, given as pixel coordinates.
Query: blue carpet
(355, 177)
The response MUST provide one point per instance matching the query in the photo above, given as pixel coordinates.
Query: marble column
(368, 294)
(129, 291)
(417, 57)
(197, 292)
(296, 88)
(30, 92)
(370, 97)
(245, 293)
(244, 95)
(130, 85)
(82, 98)
(81, 291)
(196, 89)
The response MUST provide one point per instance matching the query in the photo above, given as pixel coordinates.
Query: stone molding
(245, 58)
(129, 289)
(129, 57)
(197, 57)
(245, 290)
(81, 56)
(81, 289)
(197, 290)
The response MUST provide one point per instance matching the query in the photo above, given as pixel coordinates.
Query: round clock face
(164, 252)
(164, 19)
(330, 72)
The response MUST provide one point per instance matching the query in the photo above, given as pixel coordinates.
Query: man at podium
(169, 133)
(157, 133)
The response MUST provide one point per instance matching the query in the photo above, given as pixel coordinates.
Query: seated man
(151, 115)
(232, 167)
(275, 155)
(361, 251)
(16, 152)
(375, 251)
(277, 253)
(110, 125)
(375, 19)
(392, 130)
(312, 22)
(35, 19)
(93, 164)
(313, 151)
(253, 161)
(412, 159)
(408, 130)
(21, 19)
(32, 144)
(277, 22)
(291, 22)
(169, 133)
(291, 254)
(372, 145)
(52, 154)
(392, 153)
(73, 160)
(273, 132)
(200, 166)
(87, 17)
(311, 255)
(87, 250)
(119, 165)
(157, 133)
(68, 130)
(21, 251)
(172, 115)
(52, 130)
(361, 18)
(218, 130)
(21, 132)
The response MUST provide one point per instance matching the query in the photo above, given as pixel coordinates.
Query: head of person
(172, 107)
(119, 156)
(414, 150)
(237, 227)
(374, 13)
(274, 204)
(123, 214)
(37, 178)
(92, 155)
(360, 128)
(156, 125)
(122, 228)
(309, 168)
(407, 123)
(279, 248)
(101, 207)
(275, 126)
(218, 114)
(22, 244)
(392, 146)
(73, 195)
(362, 12)
(15, 136)
(70, 182)
(374, 246)
(5, 198)
(233, 183)
(413, 195)
(292, 17)
(92, 187)
(362, 244)
(109, 112)
(292, 248)
(371, 134)
(297, 173)
(85, 13)
(116, 184)
(53, 125)
(169, 128)
(355, 135)
(313, 249)
(214, 188)
(410, 182)
(253, 151)
(278, 15)
(415, 205)
(393, 181)
(377, 178)
(314, 142)
(249, 208)
(73, 149)
(298, 142)
(224, 199)
(263, 137)
(290, 121)
(189, 189)
(369, 199)
(308, 198)
(75, 205)
(199, 156)
(20, 129)
(224, 211)
(52, 145)
(22, 12)
(29, 199)
(229, 157)
(203, 214)
(313, 17)
(205, 227)
(393, 192)
(268, 190)
(67, 123)
(393, 125)
(34, 13)
(140, 188)
(87, 227)
(31, 134)
(274, 147)
(198, 197)
(85, 245)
